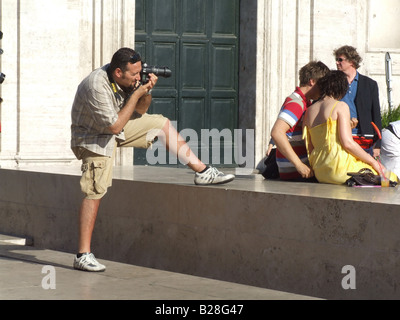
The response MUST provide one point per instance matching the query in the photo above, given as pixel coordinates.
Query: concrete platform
(23, 276)
(288, 237)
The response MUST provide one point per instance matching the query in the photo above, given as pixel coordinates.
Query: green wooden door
(198, 41)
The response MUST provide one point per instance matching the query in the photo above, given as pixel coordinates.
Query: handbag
(271, 170)
(365, 177)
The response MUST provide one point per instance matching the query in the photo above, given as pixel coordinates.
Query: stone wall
(50, 46)
(285, 236)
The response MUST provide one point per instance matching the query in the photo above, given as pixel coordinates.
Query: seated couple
(326, 151)
(332, 151)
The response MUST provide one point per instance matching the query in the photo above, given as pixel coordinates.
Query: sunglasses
(135, 58)
(340, 59)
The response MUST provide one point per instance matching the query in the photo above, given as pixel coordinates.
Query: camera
(164, 72)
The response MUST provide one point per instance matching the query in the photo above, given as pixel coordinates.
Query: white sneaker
(87, 262)
(212, 176)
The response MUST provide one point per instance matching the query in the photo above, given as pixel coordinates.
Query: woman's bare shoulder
(342, 104)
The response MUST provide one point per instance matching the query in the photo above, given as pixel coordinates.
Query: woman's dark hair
(334, 84)
(122, 57)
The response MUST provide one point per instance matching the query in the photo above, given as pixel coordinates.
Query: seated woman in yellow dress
(331, 149)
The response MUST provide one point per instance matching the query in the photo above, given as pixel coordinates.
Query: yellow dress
(329, 160)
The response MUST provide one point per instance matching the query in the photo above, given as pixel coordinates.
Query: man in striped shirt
(291, 155)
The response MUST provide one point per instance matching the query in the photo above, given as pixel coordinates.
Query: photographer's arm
(138, 101)
(143, 104)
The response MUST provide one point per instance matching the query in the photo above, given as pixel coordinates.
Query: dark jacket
(368, 107)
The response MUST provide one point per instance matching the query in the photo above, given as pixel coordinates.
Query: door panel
(194, 18)
(194, 62)
(198, 41)
(164, 14)
(225, 14)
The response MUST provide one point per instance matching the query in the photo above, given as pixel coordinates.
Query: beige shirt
(96, 108)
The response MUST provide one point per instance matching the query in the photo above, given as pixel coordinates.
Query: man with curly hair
(363, 99)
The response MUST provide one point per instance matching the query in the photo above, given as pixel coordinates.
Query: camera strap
(115, 90)
(113, 85)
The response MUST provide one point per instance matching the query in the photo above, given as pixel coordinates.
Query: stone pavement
(29, 273)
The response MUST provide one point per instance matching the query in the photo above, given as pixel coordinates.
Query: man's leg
(85, 259)
(141, 132)
(96, 178)
(178, 146)
(87, 219)
(204, 175)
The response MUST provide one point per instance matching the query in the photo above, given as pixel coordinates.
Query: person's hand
(376, 153)
(305, 171)
(378, 166)
(353, 123)
(152, 81)
(143, 90)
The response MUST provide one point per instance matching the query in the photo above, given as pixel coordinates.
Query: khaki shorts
(96, 174)
(97, 170)
(141, 131)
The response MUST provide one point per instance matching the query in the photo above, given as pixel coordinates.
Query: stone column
(49, 47)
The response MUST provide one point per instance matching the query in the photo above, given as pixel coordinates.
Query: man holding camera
(109, 111)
